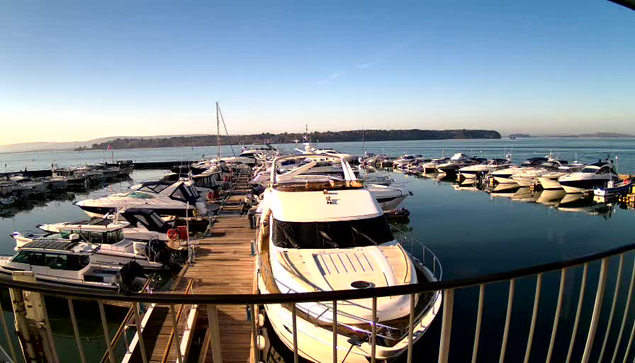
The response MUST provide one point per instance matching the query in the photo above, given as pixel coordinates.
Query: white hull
(549, 184)
(315, 343)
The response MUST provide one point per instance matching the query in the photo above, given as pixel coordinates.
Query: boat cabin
(181, 190)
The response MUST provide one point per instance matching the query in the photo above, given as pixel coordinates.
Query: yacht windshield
(589, 170)
(321, 235)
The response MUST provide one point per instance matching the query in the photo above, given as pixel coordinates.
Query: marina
(224, 260)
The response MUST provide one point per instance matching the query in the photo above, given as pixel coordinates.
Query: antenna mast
(218, 132)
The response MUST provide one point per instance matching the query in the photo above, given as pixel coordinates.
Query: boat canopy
(147, 218)
(323, 206)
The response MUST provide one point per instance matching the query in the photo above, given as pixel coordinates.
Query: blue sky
(85, 69)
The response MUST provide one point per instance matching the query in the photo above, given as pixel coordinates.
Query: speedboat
(388, 197)
(549, 180)
(334, 236)
(613, 188)
(138, 225)
(529, 176)
(504, 176)
(404, 160)
(179, 199)
(431, 166)
(71, 263)
(457, 161)
(488, 166)
(591, 176)
(205, 182)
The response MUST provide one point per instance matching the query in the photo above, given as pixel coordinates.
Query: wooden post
(30, 321)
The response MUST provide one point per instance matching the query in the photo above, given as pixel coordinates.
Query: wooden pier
(223, 264)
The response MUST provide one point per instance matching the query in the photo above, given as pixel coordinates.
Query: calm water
(472, 233)
(587, 149)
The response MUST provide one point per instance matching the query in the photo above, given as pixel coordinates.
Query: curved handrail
(250, 299)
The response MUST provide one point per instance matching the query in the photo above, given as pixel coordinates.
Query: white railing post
(534, 316)
(373, 337)
(508, 319)
(334, 331)
(411, 324)
(618, 280)
(626, 310)
(479, 321)
(446, 325)
(578, 312)
(296, 359)
(556, 318)
(597, 308)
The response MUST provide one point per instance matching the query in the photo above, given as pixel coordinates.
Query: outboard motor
(158, 251)
(130, 278)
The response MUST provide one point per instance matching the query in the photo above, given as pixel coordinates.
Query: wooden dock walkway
(223, 264)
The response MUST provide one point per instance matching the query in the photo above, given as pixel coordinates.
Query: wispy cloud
(387, 54)
(365, 65)
(333, 76)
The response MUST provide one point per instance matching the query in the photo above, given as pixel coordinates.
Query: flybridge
(332, 176)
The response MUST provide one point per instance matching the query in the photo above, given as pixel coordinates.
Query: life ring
(210, 196)
(172, 234)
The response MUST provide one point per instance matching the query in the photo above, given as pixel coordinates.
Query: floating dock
(224, 263)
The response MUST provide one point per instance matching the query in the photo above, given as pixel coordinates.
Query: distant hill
(53, 146)
(606, 134)
(284, 138)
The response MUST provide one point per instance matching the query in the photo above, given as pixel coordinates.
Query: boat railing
(322, 317)
(595, 322)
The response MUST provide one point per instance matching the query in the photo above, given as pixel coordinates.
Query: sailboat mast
(364, 140)
(217, 132)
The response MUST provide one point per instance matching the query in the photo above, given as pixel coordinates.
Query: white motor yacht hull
(549, 183)
(315, 342)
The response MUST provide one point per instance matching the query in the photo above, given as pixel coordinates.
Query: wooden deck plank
(223, 264)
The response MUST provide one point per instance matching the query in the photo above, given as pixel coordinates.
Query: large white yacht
(69, 263)
(138, 224)
(323, 168)
(591, 176)
(317, 236)
(178, 199)
(106, 243)
(312, 149)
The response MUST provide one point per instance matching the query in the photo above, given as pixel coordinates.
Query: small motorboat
(614, 189)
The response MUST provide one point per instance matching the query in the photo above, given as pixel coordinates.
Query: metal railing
(602, 331)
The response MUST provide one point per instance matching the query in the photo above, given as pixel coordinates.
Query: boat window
(67, 262)
(589, 170)
(22, 257)
(603, 170)
(37, 259)
(178, 195)
(138, 195)
(142, 219)
(158, 222)
(357, 233)
(97, 238)
(114, 236)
